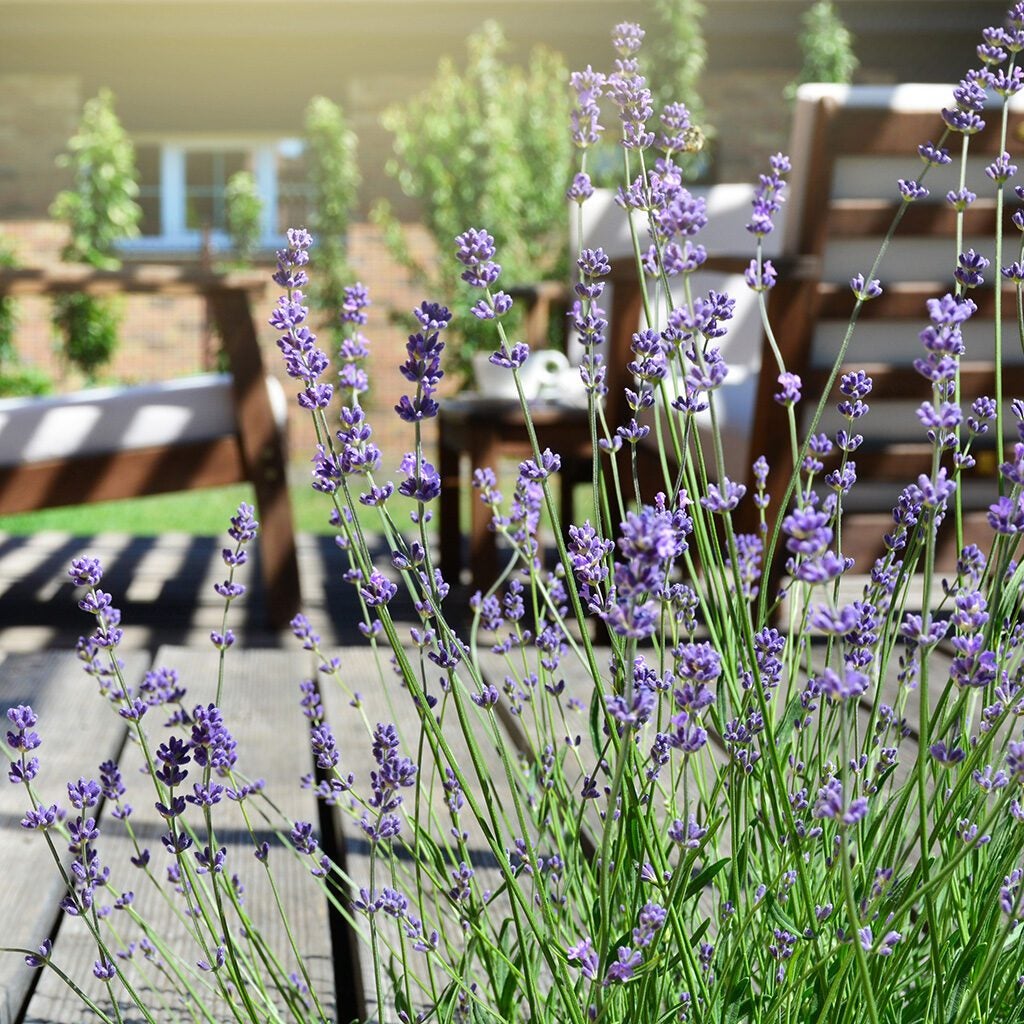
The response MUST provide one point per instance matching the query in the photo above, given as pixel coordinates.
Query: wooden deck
(164, 588)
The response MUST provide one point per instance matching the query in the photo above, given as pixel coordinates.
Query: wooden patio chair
(849, 147)
(204, 431)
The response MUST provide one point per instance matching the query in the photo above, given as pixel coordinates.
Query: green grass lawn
(202, 513)
(205, 513)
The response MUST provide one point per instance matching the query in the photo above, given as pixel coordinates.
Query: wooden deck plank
(383, 699)
(260, 706)
(78, 733)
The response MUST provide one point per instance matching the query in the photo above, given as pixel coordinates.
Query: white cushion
(101, 420)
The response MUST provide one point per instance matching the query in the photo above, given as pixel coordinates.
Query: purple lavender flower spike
(475, 251)
(723, 498)
(789, 389)
(581, 188)
(1002, 168)
(911, 190)
(86, 572)
(760, 278)
(865, 290)
(628, 89)
(678, 135)
(422, 481)
(303, 360)
(970, 264)
(769, 196)
(624, 966)
(42, 956)
(378, 589)
(586, 956)
(423, 363)
(588, 86)
(289, 273)
(933, 155)
(627, 37)
(354, 304)
(960, 198)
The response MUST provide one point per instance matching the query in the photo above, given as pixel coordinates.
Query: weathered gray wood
(79, 731)
(382, 699)
(260, 706)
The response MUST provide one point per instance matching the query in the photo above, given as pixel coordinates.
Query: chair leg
(483, 547)
(278, 552)
(263, 454)
(449, 506)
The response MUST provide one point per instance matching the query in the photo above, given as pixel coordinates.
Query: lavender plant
(722, 814)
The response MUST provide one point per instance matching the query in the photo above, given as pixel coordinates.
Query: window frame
(262, 151)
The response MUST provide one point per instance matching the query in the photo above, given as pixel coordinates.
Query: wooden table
(487, 430)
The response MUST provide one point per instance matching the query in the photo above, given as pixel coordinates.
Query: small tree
(100, 210)
(827, 47)
(244, 212)
(334, 181)
(487, 147)
(678, 56)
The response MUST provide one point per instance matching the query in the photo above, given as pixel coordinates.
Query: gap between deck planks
(260, 705)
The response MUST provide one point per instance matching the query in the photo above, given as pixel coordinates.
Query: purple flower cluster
(831, 804)
(22, 738)
(652, 538)
(303, 360)
(769, 196)
(587, 86)
(628, 88)
(422, 366)
(354, 347)
(588, 319)
(969, 98)
(475, 251)
(243, 529)
(87, 572)
(808, 537)
(394, 772)
(675, 215)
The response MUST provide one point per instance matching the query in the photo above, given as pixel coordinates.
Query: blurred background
(228, 145)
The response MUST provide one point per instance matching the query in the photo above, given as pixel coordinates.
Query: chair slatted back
(849, 146)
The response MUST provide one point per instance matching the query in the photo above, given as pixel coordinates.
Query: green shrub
(100, 210)
(17, 381)
(15, 378)
(8, 314)
(334, 180)
(827, 47)
(244, 210)
(484, 146)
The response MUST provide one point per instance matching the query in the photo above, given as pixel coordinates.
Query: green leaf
(705, 876)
